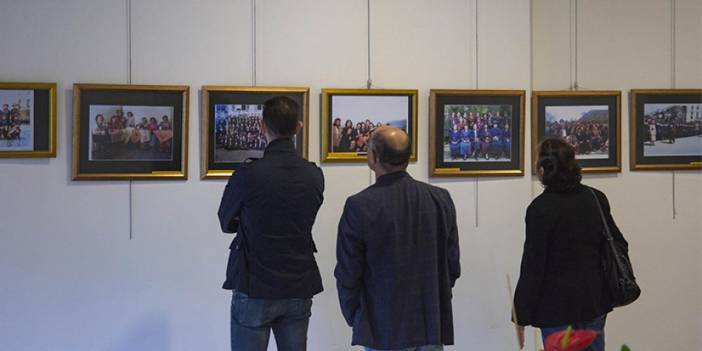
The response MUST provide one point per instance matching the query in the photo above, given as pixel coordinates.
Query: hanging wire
(673, 43)
(570, 44)
(531, 71)
(129, 41)
(673, 69)
(575, 49)
(369, 81)
(253, 42)
(477, 57)
(477, 86)
(129, 81)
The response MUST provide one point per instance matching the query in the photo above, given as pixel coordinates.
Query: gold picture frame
(328, 155)
(209, 168)
(610, 98)
(174, 96)
(638, 161)
(42, 147)
(513, 166)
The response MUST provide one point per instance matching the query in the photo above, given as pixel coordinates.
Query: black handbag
(619, 275)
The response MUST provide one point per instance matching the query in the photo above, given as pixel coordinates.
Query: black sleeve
(453, 252)
(616, 233)
(231, 203)
(350, 262)
(538, 228)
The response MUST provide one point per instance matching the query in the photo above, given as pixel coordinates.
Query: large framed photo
(27, 120)
(130, 131)
(588, 120)
(231, 126)
(349, 115)
(476, 133)
(666, 129)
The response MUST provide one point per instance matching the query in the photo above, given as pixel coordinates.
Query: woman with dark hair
(346, 137)
(336, 133)
(561, 282)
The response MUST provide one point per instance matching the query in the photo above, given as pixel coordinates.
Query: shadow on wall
(150, 333)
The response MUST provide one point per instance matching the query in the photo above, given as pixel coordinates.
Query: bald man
(397, 255)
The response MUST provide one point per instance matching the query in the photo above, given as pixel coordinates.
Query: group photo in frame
(126, 132)
(590, 121)
(666, 129)
(27, 120)
(476, 133)
(349, 115)
(231, 126)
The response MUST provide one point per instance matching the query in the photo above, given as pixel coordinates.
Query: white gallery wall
(71, 279)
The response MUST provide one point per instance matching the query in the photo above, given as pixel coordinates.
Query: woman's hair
(561, 172)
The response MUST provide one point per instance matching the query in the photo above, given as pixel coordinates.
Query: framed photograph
(27, 120)
(476, 133)
(666, 129)
(231, 126)
(348, 116)
(588, 120)
(130, 131)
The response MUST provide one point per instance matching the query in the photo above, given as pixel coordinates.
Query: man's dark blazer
(562, 280)
(271, 204)
(397, 261)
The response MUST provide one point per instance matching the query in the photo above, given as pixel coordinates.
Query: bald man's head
(391, 146)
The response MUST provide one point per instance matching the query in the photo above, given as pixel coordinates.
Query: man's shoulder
(248, 165)
(433, 189)
(376, 191)
(281, 167)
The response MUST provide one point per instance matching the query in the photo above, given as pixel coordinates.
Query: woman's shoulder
(550, 198)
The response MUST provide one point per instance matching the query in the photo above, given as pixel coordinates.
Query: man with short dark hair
(397, 255)
(271, 204)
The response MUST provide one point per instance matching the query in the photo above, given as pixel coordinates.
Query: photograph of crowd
(586, 128)
(354, 117)
(672, 129)
(16, 120)
(477, 133)
(238, 134)
(131, 133)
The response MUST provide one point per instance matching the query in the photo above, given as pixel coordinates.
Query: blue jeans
(420, 348)
(253, 319)
(596, 324)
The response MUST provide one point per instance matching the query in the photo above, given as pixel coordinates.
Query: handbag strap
(606, 232)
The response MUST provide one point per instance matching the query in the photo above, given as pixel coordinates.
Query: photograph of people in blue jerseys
(477, 133)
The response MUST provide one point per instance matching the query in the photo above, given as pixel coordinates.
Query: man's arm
(232, 200)
(454, 254)
(350, 260)
(538, 227)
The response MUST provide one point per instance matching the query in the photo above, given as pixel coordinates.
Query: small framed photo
(125, 132)
(666, 129)
(231, 126)
(476, 133)
(588, 120)
(27, 120)
(349, 115)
